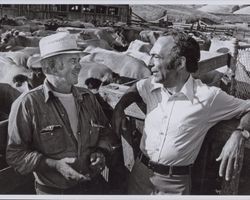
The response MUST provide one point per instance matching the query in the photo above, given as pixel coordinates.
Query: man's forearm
(129, 97)
(45, 164)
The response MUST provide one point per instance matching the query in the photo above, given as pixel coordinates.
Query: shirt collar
(48, 92)
(187, 89)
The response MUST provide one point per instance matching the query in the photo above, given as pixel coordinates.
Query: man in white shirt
(180, 111)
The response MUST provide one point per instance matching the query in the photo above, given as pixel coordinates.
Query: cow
(150, 36)
(140, 50)
(110, 36)
(20, 82)
(69, 29)
(11, 41)
(95, 71)
(9, 69)
(94, 43)
(42, 33)
(120, 63)
(129, 34)
(19, 58)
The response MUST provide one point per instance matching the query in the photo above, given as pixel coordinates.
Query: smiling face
(164, 65)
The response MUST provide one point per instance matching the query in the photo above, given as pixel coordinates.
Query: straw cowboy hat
(59, 43)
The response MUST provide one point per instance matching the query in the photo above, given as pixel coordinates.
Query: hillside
(219, 8)
(244, 10)
(176, 13)
(181, 13)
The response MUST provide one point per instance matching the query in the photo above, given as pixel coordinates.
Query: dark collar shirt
(39, 126)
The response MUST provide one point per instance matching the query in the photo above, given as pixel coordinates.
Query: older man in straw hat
(59, 131)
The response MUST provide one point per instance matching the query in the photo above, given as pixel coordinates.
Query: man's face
(68, 68)
(162, 62)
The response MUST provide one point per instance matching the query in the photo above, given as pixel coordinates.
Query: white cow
(119, 63)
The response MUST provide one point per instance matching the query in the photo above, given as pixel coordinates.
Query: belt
(52, 190)
(164, 169)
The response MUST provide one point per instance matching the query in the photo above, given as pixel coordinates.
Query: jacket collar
(48, 92)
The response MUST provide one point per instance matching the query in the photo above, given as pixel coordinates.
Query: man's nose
(78, 66)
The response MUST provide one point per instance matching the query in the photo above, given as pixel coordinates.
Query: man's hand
(97, 162)
(229, 155)
(68, 172)
(118, 120)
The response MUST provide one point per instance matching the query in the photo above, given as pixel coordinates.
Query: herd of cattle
(113, 51)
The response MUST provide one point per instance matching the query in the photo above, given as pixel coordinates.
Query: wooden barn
(88, 13)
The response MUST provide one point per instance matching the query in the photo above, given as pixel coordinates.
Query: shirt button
(78, 133)
(51, 133)
(157, 149)
(62, 114)
(161, 133)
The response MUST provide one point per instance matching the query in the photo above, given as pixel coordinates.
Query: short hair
(185, 46)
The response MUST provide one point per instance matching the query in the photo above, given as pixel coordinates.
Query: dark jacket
(39, 126)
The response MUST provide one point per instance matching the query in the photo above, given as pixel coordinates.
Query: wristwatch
(245, 133)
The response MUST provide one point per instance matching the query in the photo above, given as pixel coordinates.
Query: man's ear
(181, 62)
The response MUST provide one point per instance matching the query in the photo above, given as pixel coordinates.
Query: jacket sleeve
(107, 137)
(19, 153)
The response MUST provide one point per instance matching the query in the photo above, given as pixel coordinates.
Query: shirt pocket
(53, 139)
(94, 132)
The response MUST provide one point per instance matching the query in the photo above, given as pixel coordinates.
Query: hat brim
(64, 52)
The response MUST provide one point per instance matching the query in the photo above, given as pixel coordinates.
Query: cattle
(118, 62)
(112, 38)
(129, 33)
(69, 29)
(80, 24)
(30, 50)
(9, 69)
(29, 27)
(150, 36)
(12, 42)
(94, 43)
(96, 71)
(97, 36)
(20, 82)
(42, 33)
(140, 50)
(19, 58)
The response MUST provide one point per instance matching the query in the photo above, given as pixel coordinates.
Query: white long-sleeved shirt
(175, 125)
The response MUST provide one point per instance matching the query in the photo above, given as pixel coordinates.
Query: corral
(104, 55)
